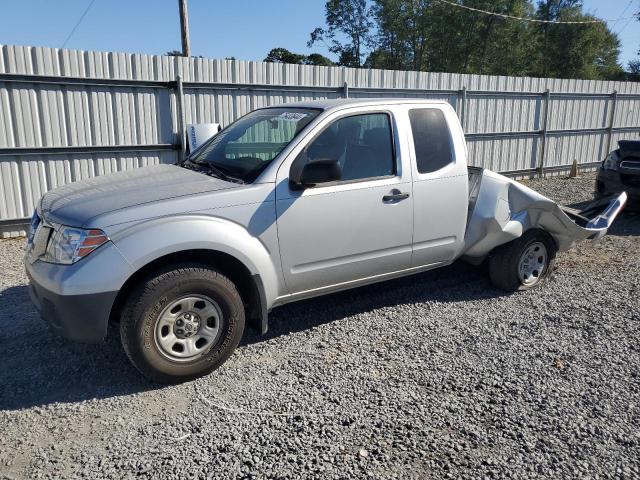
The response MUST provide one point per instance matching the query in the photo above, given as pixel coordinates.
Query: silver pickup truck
(288, 202)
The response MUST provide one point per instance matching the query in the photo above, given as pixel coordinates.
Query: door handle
(395, 196)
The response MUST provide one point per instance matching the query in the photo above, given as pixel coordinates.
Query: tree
(318, 59)
(178, 53)
(352, 20)
(633, 71)
(588, 51)
(282, 55)
(403, 34)
(430, 35)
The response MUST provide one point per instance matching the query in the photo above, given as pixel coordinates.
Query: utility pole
(184, 28)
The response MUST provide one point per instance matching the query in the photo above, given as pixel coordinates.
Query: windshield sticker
(292, 116)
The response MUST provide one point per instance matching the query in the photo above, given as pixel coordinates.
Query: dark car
(620, 171)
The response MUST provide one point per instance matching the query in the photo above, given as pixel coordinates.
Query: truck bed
(475, 179)
(501, 209)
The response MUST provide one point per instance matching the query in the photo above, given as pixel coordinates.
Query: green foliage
(317, 59)
(178, 53)
(588, 51)
(429, 35)
(282, 55)
(350, 19)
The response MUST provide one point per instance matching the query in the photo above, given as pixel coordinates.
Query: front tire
(182, 323)
(524, 263)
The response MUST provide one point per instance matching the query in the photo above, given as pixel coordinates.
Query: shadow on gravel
(459, 282)
(39, 368)
(626, 225)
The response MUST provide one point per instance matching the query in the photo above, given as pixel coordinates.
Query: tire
(505, 261)
(181, 323)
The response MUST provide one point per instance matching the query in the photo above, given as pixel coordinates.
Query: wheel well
(226, 264)
(548, 234)
(538, 230)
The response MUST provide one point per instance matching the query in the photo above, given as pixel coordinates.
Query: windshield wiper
(221, 173)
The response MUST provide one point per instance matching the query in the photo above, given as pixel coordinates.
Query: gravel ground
(434, 376)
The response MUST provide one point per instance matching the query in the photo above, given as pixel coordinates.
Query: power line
(73, 30)
(626, 25)
(635, 17)
(623, 12)
(527, 19)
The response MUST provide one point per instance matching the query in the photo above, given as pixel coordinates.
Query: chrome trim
(606, 218)
(630, 165)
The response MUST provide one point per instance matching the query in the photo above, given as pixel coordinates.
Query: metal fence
(67, 115)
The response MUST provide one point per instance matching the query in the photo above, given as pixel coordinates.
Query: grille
(631, 180)
(40, 240)
(630, 165)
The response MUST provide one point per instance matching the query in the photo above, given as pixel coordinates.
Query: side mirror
(315, 172)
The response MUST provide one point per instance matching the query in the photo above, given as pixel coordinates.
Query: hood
(77, 203)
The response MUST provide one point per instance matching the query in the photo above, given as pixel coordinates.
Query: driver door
(353, 229)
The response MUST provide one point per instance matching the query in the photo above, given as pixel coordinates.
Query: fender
(146, 241)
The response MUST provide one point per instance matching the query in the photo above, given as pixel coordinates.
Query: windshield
(244, 149)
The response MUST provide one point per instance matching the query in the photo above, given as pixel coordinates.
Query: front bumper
(610, 182)
(81, 318)
(76, 300)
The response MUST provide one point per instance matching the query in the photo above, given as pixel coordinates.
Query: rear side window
(431, 139)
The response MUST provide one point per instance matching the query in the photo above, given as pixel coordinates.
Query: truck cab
(399, 204)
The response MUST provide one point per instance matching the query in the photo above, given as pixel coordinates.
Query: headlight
(68, 244)
(611, 162)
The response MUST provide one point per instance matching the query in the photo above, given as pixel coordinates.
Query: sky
(244, 29)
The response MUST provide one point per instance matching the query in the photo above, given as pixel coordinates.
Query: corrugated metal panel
(492, 113)
(24, 179)
(585, 148)
(619, 136)
(53, 114)
(627, 112)
(505, 154)
(566, 112)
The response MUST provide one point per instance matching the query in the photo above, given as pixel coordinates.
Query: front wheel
(523, 263)
(182, 323)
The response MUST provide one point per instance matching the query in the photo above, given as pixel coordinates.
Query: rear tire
(181, 323)
(524, 263)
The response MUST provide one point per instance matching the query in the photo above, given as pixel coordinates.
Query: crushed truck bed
(502, 209)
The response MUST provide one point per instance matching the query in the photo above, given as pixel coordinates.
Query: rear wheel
(182, 323)
(523, 263)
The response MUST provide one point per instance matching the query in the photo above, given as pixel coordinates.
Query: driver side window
(362, 145)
